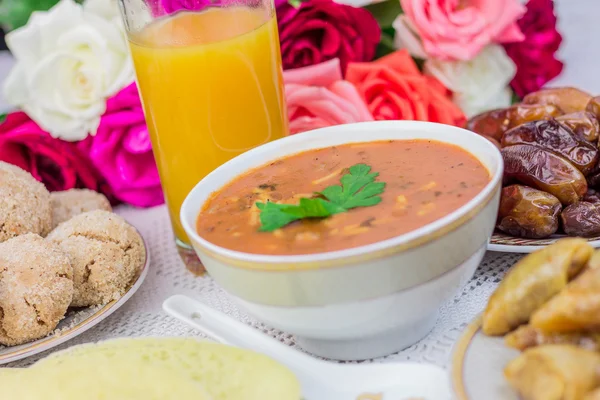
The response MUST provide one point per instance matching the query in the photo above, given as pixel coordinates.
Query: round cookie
(24, 203)
(106, 254)
(69, 203)
(36, 288)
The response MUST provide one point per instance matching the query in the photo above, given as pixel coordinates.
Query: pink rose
(54, 162)
(319, 30)
(318, 97)
(122, 152)
(459, 29)
(535, 57)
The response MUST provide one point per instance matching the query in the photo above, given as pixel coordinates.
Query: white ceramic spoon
(320, 380)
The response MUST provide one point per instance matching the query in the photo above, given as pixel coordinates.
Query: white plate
(75, 323)
(477, 369)
(509, 244)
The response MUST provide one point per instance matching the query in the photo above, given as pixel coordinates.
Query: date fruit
(583, 123)
(490, 123)
(581, 219)
(567, 99)
(591, 196)
(496, 122)
(527, 212)
(557, 138)
(544, 170)
(593, 107)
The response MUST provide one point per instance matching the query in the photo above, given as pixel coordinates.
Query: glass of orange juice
(211, 83)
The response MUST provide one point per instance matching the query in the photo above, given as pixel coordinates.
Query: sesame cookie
(69, 203)
(36, 288)
(106, 253)
(24, 203)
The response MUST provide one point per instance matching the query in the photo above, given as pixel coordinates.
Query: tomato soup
(424, 181)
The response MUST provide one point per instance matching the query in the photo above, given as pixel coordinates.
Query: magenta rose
(122, 152)
(535, 57)
(320, 30)
(56, 163)
(165, 7)
(170, 6)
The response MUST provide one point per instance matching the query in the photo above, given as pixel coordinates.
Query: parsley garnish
(358, 189)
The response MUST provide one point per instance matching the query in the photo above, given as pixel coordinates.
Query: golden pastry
(532, 282)
(577, 307)
(554, 372)
(527, 336)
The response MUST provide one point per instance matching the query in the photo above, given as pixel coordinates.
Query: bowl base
(369, 347)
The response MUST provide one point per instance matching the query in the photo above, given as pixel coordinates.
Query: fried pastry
(554, 372)
(527, 336)
(532, 282)
(593, 395)
(577, 307)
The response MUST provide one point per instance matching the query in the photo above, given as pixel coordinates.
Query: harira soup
(341, 197)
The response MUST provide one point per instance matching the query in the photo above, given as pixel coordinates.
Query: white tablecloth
(143, 316)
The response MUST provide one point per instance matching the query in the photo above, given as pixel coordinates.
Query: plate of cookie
(537, 338)
(66, 263)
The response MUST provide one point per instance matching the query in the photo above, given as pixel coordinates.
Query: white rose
(406, 37)
(107, 9)
(68, 62)
(479, 84)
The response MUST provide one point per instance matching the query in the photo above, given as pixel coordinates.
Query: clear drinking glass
(210, 79)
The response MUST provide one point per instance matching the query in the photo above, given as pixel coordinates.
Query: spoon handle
(229, 331)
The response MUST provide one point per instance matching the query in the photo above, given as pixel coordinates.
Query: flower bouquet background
(80, 124)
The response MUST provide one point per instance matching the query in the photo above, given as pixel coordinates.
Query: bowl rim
(395, 244)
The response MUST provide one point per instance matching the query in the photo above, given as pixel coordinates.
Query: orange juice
(212, 87)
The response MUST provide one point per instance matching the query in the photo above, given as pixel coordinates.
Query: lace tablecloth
(142, 315)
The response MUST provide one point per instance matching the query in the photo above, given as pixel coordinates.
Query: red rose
(54, 162)
(535, 56)
(319, 30)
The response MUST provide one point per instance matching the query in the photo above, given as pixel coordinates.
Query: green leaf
(273, 217)
(295, 3)
(358, 189)
(3, 117)
(420, 63)
(15, 13)
(515, 98)
(385, 45)
(385, 12)
(350, 195)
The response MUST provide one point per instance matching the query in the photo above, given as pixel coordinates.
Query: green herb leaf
(273, 217)
(358, 189)
(350, 195)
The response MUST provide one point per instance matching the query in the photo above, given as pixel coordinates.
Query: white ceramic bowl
(367, 301)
